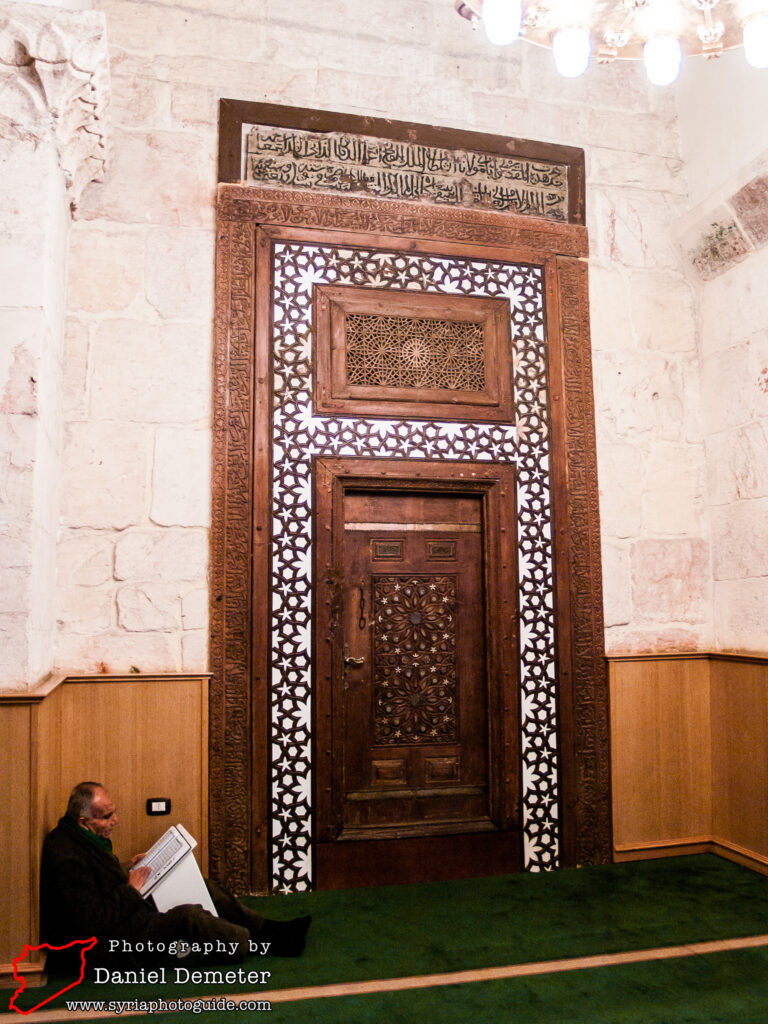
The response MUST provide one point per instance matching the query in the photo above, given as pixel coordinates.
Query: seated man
(85, 891)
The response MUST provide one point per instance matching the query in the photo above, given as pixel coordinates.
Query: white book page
(164, 854)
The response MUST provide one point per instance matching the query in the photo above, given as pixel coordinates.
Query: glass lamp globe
(571, 48)
(662, 56)
(756, 40)
(502, 20)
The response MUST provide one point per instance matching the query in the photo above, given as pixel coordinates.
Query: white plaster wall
(136, 471)
(723, 122)
(724, 134)
(734, 342)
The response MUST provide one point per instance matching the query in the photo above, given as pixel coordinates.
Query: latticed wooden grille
(414, 352)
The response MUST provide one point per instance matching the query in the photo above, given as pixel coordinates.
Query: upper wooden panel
(265, 144)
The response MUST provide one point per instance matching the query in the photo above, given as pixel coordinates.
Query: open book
(165, 855)
(174, 877)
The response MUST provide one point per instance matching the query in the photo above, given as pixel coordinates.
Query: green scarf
(71, 825)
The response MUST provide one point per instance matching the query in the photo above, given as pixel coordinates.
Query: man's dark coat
(84, 891)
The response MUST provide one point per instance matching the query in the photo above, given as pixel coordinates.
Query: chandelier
(658, 32)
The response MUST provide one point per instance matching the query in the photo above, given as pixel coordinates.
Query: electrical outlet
(159, 805)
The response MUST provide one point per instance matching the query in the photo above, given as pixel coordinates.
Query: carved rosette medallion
(299, 434)
(414, 660)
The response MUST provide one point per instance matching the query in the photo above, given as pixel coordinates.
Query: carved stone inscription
(387, 168)
(415, 659)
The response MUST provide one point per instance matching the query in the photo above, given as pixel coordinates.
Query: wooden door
(412, 712)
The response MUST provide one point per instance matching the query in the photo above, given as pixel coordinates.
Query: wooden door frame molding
(247, 219)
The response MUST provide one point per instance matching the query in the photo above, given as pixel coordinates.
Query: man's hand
(138, 876)
(135, 860)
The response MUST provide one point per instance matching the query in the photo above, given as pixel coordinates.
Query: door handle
(350, 662)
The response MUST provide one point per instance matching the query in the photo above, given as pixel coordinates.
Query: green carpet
(423, 929)
(400, 930)
(722, 988)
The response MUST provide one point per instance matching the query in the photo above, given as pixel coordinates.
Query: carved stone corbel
(54, 86)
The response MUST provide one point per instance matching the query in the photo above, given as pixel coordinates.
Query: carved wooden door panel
(413, 713)
(412, 691)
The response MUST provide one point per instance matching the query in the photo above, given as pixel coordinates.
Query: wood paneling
(660, 739)
(46, 744)
(140, 741)
(740, 755)
(15, 909)
(690, 756)
(140, 736)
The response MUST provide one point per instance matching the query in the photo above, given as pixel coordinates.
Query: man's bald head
(81, 799)
(91, 806)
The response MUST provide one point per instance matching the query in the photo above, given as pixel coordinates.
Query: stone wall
(724, 240)
(53, 99)
(735, 386)
(32, 251)
(135, 478)
(722, 128)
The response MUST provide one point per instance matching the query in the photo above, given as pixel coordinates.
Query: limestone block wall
(721, 129)
(132, 558)
(649, 433)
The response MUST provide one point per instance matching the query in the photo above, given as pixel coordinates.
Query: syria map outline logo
(86, 945)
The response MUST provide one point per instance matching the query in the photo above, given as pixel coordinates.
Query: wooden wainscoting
(16, 911)
(141, 736)
(689, 739)
(739, 687)
(661, 750)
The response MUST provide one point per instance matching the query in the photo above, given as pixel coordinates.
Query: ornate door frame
(249, 221)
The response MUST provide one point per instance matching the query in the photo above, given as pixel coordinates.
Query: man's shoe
(286, 938)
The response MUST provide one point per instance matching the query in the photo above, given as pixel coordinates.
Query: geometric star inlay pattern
(299, 434)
